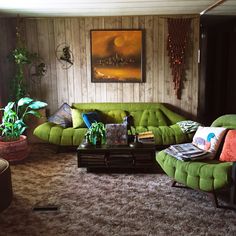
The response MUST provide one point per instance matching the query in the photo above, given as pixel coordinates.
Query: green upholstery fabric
(113, 116)
(207, 175)
(227, 121)
(153, 116)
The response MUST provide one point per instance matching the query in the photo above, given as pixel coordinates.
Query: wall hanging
(64, 55)
(178, 35)
(117, 55)
(37, 69)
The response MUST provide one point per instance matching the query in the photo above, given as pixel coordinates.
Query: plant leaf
(24, 101)
(37, 105)
(34, 113)
(9, 106)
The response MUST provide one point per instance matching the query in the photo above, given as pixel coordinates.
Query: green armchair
(206, 175)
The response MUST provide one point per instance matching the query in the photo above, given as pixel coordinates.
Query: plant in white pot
(13, 144)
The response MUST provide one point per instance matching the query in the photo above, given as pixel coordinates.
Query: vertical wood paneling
(70, 71)
(7, 70)
(62, 86)
(149, 60)
(52, 71)
(32, 45)
(74, 84)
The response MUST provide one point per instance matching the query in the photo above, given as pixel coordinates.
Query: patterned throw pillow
(229, 149)
(209, 138)
(62, 116)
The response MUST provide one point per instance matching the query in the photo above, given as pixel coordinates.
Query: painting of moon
(116, 55)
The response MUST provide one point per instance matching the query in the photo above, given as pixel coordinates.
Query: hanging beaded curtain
(178, 33)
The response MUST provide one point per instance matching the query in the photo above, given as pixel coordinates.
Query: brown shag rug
(104, 204)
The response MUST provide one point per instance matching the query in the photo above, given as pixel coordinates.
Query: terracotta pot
(15, 150)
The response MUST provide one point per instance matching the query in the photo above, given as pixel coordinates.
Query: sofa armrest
(233, 185)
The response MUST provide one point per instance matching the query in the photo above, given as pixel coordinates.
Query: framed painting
(117, 55)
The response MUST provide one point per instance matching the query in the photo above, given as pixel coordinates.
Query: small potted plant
(13, 145)
(96, 134)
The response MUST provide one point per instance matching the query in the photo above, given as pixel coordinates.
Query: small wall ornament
(178, 34)
(38, 69)
(64, 55)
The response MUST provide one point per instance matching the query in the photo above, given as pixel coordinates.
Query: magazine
(187, 148)
(187, 152)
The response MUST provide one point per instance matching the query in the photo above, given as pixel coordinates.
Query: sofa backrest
(227, 121)
(145, 114)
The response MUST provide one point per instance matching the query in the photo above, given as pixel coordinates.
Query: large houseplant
(13, 126)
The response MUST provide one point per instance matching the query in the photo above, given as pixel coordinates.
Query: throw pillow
(209, 138)
(90, 117)
(229, 149)
(77, 119)
(188, 126)
(62, 116)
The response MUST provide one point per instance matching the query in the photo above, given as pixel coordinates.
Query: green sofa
(147, 116)
(205, 175)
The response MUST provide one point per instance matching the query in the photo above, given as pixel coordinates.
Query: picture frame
(117, 55)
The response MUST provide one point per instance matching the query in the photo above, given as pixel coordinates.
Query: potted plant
(13, 144)
(96, 134)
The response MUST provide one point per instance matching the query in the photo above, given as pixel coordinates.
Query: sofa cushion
(206, 175)
(113, 116)
(90, 117)
(62, 116)
(209, 138)
(153, 118)
(77, 120)
(229, 149)
(136, 116)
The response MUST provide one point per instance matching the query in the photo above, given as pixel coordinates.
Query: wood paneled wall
(7, 70)
(74, 84)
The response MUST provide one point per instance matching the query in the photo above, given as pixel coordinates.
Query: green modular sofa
(205, 175)
(147, 116)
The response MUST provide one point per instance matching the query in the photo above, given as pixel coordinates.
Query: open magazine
(187, 152)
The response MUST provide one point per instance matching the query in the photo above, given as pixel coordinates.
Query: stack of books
(146, 137)
(186, 152)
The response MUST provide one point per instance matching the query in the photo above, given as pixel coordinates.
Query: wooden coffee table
(141, 157)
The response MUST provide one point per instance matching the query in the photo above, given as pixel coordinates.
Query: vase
(14, 151)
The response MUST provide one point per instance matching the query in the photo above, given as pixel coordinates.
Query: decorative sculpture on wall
(64, 55)
(178, 33)
(38, 69)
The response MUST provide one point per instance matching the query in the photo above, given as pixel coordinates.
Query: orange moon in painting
(116, 55)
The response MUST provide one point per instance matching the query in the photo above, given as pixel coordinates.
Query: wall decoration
(178, 33)
(117, 55)
(64, 55)
(37, 70)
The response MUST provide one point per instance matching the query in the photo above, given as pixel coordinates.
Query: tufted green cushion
(207, 175)
(58, 135)
(165, 135)
(227, 121)
(113, 116)
(136, 116)
(114, 113)
(153, 118)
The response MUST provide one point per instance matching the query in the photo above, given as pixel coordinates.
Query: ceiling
(63, 8)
